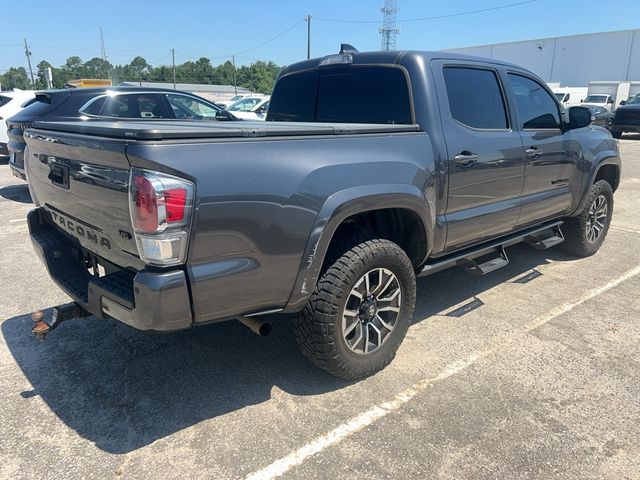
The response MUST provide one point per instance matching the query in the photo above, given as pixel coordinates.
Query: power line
(435, 17)
(275, 37)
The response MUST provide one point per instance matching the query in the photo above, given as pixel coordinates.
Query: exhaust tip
(265, 329)
(257, 326)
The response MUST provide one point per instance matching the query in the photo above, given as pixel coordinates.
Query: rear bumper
(146, 300)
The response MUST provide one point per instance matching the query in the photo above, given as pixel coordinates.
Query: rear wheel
(585, 233)
(359, 311)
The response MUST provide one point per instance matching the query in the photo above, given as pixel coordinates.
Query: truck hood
(629, 108)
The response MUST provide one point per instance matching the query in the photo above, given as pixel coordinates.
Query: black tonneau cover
(186, 129)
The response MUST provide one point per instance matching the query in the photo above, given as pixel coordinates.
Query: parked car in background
(601, 116)
(110, 102)
(11, 102)
(235, 98)
(250, 108)
(599, 100)
(626, 117)
(570, 96)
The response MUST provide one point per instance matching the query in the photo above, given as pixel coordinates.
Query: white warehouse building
(572, 61)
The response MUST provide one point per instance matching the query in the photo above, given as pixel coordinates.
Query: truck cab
(600, 100)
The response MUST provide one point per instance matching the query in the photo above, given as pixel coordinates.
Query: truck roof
(194, 129)
(393, 57)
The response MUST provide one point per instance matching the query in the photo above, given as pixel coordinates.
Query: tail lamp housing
(161, 208)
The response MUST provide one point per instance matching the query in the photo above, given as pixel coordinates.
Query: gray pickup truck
(372, 169)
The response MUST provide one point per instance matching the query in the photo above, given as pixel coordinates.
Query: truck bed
(189, 129)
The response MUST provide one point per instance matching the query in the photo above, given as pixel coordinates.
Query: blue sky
(215, 29)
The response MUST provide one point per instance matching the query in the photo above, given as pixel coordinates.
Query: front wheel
(359, 311)
(585, 233)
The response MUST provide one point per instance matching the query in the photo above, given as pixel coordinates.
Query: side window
(536, 108)
(188, 107)
(475, 98)
(134, 106)
(94, 107)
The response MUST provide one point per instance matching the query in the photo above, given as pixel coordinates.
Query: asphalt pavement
(536, 376)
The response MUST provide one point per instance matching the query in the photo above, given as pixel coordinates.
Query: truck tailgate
(83, 184)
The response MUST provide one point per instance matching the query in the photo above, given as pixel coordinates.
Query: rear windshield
(345, 94)
(595, 99)
(40, 106)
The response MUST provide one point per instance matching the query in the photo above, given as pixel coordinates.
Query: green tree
(15, 78)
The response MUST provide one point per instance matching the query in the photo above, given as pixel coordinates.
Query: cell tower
(103, 51)
(388, 31)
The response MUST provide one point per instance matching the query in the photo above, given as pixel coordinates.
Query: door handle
(466, 158)
(534, 152)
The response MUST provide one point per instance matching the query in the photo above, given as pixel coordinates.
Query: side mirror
(223, 115)
(580, 117)
(610, 100)
(623, 102)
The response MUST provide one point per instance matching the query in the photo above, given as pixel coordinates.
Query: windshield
(244, 105)
(596, 99)
(634, 100)
(560, 96)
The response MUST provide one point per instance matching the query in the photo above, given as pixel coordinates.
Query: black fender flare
(342, 205)
(606, 157)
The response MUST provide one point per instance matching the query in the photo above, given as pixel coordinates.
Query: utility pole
(27, 52)
(308, 19)
(173, 61)
(235, 87)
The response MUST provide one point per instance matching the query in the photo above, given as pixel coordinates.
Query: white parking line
(18, 220)
(624, 229)
(344, 430)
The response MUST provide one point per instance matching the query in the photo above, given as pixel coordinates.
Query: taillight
(160, 207)
(145, 198)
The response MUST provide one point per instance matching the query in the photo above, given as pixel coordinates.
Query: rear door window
(351, 94)
(475, 98)
(132, 106)
(4, 100)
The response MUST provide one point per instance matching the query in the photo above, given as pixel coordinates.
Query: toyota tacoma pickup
(371, 169)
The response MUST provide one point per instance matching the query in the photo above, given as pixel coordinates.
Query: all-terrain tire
(575, 229)
(318, 328)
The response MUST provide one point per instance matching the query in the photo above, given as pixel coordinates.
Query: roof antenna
(346, 48)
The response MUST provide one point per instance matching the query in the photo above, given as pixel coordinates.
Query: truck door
(551, 154)
(485, 159)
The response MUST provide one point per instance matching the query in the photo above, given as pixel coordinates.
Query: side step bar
(545, 239)
(486, 263)
(490, 256)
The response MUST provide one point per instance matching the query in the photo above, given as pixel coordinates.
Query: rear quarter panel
(257, 202)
